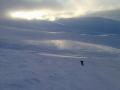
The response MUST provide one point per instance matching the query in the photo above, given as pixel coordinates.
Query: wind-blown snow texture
(46, 60)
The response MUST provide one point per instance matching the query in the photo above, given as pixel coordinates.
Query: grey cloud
(56, 3)
(18, 4)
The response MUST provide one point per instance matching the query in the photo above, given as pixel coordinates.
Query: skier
(82, 63)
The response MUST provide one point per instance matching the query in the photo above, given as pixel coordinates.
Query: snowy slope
(37, 60)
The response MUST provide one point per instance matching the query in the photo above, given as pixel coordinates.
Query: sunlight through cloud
(44, 14)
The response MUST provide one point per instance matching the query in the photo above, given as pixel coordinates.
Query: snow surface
(37, 60)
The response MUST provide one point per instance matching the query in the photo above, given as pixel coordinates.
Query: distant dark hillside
(91, 25)
(112, 14)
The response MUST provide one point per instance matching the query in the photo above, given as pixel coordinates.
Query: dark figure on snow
(82, 63)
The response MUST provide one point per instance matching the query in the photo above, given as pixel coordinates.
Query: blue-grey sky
(53, 9)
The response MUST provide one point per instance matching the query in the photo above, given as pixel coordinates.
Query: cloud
(58, 8)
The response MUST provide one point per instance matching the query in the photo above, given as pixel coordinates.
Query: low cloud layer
(52, 9)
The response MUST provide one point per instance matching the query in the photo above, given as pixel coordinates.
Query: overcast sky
(55, 8)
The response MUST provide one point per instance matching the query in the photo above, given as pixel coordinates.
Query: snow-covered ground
(37, 60)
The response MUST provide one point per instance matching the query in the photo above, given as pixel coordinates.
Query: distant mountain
(111, 14)
(91, 25)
